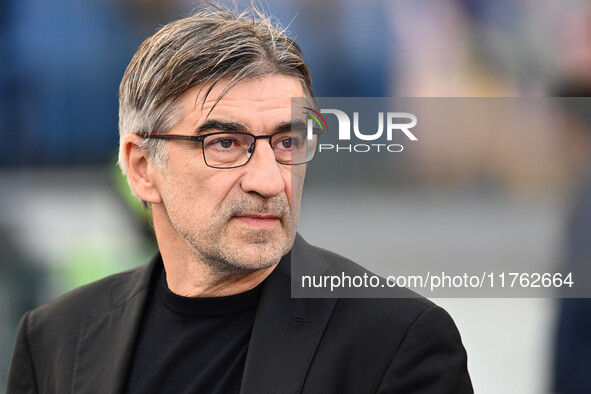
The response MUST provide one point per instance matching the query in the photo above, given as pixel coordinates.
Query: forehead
(258, 104)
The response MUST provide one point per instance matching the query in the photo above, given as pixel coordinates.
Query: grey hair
(212, 44)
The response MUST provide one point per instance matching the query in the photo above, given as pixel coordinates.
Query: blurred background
(66, 217)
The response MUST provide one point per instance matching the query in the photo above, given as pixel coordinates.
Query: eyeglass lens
(234, 149)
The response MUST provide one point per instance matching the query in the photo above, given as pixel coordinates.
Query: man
(207, 141)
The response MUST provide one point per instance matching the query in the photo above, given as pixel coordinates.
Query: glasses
(234, 149)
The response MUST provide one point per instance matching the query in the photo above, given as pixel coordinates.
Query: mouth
(258, 220)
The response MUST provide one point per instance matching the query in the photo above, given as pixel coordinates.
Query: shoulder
(317, 272)
(399, 338)
(358, 304)
(92, 299)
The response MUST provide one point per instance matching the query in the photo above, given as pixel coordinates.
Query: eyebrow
(296, 124)
(213, 124)
(219, 125)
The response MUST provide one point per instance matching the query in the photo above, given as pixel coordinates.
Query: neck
(197, 280)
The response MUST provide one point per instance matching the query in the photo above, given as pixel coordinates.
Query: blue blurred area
(66, 59)
(62, 64)
(347, 45)
(63, 61)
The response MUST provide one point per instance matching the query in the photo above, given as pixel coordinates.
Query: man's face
(239, 219)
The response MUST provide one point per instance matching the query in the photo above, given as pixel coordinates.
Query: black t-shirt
(192, 345)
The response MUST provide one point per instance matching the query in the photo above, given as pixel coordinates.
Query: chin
(255, 257)
(240, 253)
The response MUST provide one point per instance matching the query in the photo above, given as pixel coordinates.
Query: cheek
(218, 190)
(191, 193)
(294, 181)
(203, 186)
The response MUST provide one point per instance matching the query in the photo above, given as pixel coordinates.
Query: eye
(286, 143)
(290, 140)
(223, 142)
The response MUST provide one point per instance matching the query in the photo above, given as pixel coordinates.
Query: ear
(143, 177)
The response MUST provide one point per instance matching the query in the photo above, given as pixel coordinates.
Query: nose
(263, 175)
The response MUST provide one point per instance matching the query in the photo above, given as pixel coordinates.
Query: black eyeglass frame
(202, 137)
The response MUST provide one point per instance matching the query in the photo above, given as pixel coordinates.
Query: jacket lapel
(285, 336)
(105, 341)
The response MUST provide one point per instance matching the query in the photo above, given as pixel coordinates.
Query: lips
(258, 220)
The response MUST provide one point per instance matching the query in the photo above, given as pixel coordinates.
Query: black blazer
(83, 341)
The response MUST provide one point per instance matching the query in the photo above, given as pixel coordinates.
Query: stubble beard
(240, 252)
